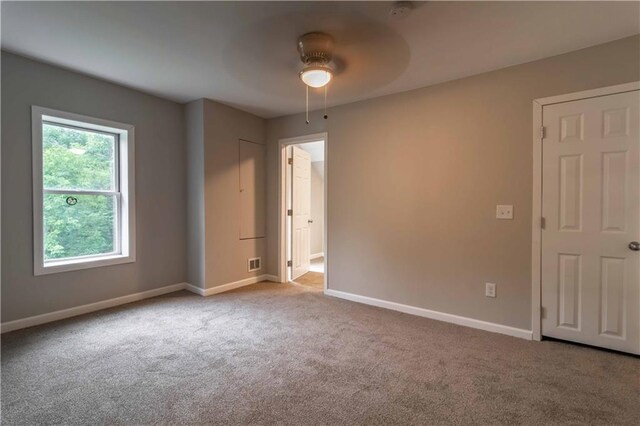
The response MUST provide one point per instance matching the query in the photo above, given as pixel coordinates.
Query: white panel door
(301, 206)
(591, 206)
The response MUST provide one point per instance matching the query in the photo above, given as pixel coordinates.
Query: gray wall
(226, 255)
(217, 254)
(413, 181)
(194, 119)
(160, 189)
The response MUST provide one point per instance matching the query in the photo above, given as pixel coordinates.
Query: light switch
(504, 211)
(490, 289)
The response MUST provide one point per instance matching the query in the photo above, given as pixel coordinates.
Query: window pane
(82, 229)
(77, 159)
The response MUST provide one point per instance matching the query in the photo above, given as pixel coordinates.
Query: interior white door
(301, 206)
(591, 206)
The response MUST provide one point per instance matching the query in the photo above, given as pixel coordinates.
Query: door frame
(283, 241)
(536, 216)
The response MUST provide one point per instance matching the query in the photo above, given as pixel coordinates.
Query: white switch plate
(490, 289)
(504, 211)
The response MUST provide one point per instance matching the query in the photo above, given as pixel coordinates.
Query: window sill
(77, 264)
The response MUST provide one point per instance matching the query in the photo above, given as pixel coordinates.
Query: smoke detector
(400, 9)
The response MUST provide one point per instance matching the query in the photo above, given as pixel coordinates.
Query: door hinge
(543, 132)
(289, 262)
(289, 160)
(543, 312)
(543, 222)
(289, 212)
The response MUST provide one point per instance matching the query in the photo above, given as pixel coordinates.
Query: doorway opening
(303, 230)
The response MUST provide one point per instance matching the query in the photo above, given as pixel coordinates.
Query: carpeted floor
(278, 353)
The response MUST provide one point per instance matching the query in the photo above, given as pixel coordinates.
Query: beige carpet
(285, 354)
(312, 279)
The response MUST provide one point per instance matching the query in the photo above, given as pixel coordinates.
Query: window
(83, 192)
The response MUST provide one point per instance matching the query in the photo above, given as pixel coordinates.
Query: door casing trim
(536, 225)
(283, 144)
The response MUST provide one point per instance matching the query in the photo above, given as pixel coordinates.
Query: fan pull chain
(325, 101)
(307, 103)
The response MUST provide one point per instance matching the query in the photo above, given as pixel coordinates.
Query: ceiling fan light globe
(316, 77)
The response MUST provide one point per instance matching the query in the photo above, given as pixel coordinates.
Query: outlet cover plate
(504, 211)
(490, 289)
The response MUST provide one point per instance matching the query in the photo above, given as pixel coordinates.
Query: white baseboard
(273, 278)
(316, 255)
(85, 309)
(229, 286)
(193, 289)
(440, 316)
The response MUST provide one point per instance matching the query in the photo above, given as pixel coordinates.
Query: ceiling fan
(316, 52)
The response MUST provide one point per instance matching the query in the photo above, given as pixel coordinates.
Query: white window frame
(125, 169)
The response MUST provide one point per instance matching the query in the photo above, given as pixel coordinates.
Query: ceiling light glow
(316, 76)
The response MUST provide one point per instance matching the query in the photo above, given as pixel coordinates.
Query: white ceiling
(244, 53)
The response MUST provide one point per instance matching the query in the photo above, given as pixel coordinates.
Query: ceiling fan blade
(338, 64)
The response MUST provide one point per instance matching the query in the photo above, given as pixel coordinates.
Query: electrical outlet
(504, 211)
(490, 289)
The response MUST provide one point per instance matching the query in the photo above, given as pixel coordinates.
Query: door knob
(634, 245)
(309, 221)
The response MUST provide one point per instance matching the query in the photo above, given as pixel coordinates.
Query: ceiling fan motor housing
(315, 48)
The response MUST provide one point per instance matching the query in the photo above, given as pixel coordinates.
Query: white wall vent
(255, 264)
